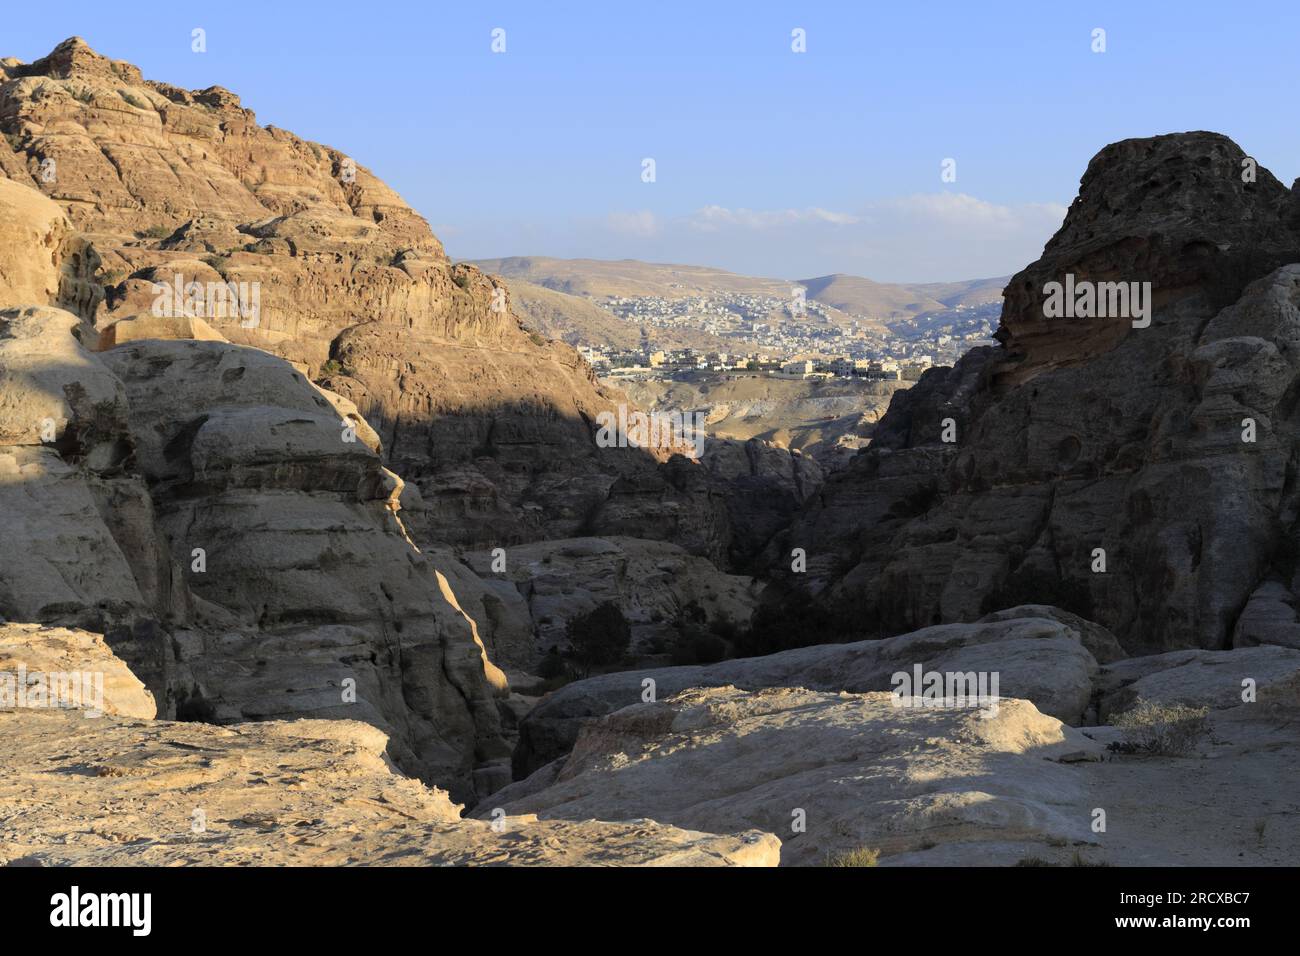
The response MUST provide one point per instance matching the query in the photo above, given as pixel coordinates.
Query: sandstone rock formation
(854, 769)
(652, 583)
(176, 481)
(1086, 434)
(1036, 657)
(122, 792)
(492, 424)
(73, 670)
(201, 505)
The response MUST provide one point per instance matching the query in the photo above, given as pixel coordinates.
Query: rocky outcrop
(764, 487)
(328, 268)
(234, 537)
(653, 583)
(60, 669)
(1142, 477)
(828, 773)
(1199, 678)
(42, 261)
(1035, 657)
(125, 792)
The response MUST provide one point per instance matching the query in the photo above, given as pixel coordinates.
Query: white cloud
(924, 237)
(714, 218)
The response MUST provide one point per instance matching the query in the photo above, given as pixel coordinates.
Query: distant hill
(600, 279)
(884, 300)
(578, 320)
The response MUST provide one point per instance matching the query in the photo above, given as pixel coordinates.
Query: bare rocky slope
(494, 426)
(1083, 434)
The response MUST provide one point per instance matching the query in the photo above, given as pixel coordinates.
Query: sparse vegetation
(1080, 860)
(697, 641)
(332, 367)
(599, 637)
(134, 100)
(219, 263)
(155, 232)
(1165, 730)
(862, 856)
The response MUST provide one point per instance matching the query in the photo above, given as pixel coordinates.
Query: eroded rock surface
(1085, 434)
(856, 769)
(119, 792)
(1035, 657)
(494, 425)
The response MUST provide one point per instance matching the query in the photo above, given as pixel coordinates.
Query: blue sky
(768, 162)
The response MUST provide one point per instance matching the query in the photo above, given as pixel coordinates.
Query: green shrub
(156, 232)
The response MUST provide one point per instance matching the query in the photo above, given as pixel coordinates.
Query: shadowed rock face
(493, 426)
(1080, 434)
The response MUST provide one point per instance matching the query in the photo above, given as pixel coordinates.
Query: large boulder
(1195, 678)
(827, 772)
(1032, 657)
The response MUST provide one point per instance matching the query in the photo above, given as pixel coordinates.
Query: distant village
(789, 338)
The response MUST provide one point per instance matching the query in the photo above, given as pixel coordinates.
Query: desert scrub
(155, 232)
(1165, 730)
(134, 100)
(219, 263)
(862, 856)
(334, 367)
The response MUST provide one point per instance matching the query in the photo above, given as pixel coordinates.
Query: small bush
(599, 637)
(134, 100)
(862, 856)
(332, 367)
(1166, 730)
(155, 232)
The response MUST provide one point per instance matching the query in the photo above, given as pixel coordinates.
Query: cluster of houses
(664, 363)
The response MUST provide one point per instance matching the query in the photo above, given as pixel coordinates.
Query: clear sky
(767, 161)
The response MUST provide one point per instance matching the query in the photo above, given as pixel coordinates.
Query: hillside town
(789, 337)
